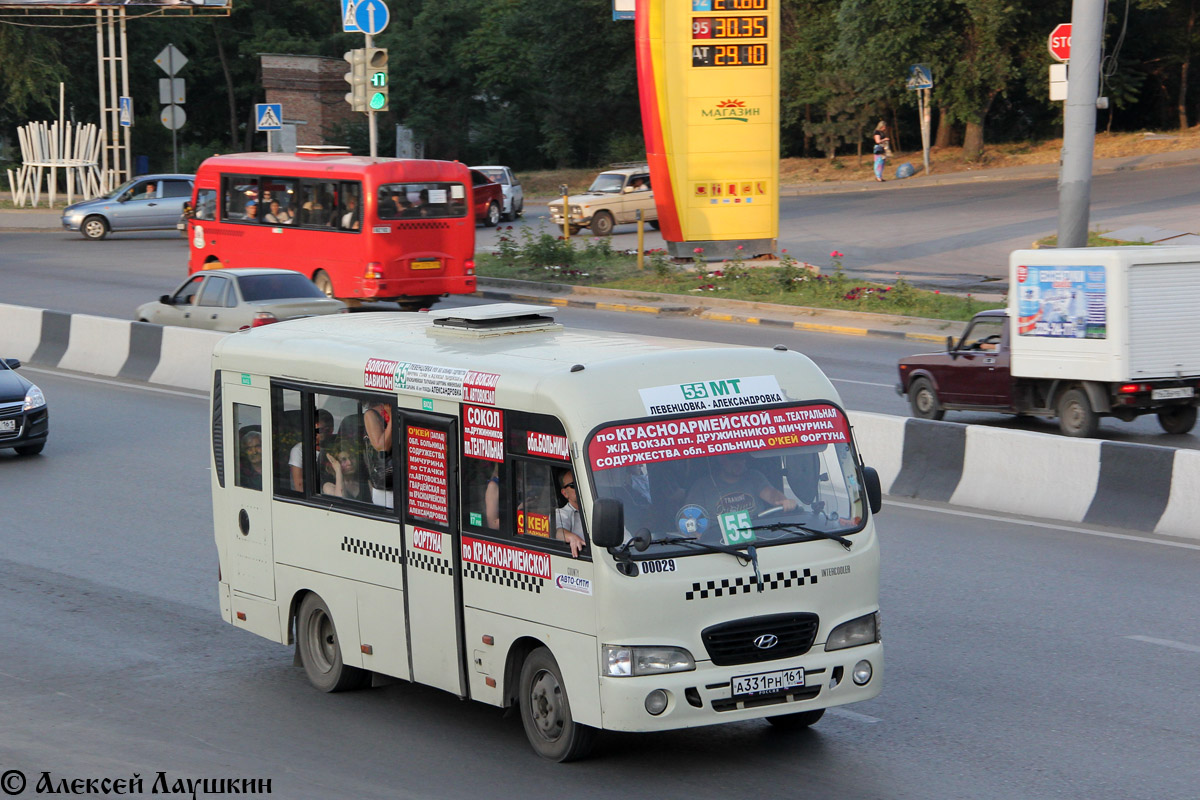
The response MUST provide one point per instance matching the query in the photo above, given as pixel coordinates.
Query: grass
(542, 256)
(1095, 239)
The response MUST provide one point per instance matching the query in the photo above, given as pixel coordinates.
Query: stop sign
(1060, 42)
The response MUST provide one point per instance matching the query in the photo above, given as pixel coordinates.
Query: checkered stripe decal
(429, 563)
(742, 585)
(503, 577)
(372, 550)
(421, 226)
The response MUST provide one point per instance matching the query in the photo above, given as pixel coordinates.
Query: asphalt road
(112, 277)
(1023, 660)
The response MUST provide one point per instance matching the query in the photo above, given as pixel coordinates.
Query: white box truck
(1088, 332)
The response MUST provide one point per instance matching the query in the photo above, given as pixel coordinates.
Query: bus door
(433, 576)
(247, 508)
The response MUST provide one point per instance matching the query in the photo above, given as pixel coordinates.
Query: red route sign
(1060, 42)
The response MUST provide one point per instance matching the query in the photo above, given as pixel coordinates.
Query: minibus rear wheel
(320, 649)
(546, 711)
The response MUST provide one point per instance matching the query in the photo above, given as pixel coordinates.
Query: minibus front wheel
(320, 649)
(546, 711)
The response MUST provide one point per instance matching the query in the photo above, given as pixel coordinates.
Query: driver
(736, 487)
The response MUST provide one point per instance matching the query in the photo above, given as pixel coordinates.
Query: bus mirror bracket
(874, 492)
(608, 522)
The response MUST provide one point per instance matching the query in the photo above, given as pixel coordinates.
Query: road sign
(1060, 42)
(173, 117)
(623, 9)
(920, 77)
(171, 60)
(125, 116)
(348, 23)
(371, 16)
(1058, 81)
(268, 116)
(171, 90)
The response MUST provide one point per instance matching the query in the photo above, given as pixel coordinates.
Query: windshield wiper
(750, 555)
(797, 527)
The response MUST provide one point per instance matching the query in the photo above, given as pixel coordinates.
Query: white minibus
(607, 531)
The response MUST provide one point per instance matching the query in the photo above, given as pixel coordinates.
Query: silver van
(146, 203)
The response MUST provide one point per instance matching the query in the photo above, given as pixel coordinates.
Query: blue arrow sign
(125, 116)
(268, 116)
(371, 16)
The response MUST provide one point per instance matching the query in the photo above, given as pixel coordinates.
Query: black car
(24, 417)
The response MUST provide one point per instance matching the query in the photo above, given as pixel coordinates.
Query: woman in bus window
(377, 420)
(347, 477)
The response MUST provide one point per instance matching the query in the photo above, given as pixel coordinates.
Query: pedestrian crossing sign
(268, 116)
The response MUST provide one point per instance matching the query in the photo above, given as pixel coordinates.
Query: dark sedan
(24, 417)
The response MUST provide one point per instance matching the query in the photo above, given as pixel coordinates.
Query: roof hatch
(494, 319)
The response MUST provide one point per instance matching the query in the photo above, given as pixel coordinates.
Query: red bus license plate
(426, 263)
(767, 682)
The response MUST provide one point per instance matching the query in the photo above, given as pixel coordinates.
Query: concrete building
(312, 91)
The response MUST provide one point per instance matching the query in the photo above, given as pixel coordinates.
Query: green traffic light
(378, 100)
(379, 79)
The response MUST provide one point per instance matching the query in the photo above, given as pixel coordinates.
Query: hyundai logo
(766, 641)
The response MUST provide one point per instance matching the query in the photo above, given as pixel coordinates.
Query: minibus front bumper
(704, 696)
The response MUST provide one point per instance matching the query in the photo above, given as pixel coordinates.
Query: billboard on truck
(1062, 302)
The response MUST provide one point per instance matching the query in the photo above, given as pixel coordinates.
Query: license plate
(426, 263)
(766, 682)
(1171, 394)
(8, 425)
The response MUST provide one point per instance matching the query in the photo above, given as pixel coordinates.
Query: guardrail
(1129, 486)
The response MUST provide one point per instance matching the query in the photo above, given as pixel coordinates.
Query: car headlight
(34, 399)
(864, 630)
(622, 662)
(576, 211)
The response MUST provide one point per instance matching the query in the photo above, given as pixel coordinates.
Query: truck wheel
(602, 224)
(924, 400)
(546, 711)
(1177, 419)
(493, 216)
(518, 209)
(1075, 414)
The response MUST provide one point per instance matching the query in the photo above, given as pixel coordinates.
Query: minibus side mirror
(608, 522)
(874, 492)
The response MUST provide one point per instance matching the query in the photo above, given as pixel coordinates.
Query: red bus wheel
(321, 279)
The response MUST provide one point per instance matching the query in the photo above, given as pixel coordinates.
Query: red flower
(836, 254)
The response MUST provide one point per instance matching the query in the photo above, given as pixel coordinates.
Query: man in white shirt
(570, 517)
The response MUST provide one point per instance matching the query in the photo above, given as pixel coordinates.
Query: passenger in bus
(277, 215)
(313, 211)
(570, 516)
(347, 481)
(250, 461)
(394, 206)
(377, 420)
(350, 220)
(252, 211)
(736, 487)
(491, 499)
(323, 433)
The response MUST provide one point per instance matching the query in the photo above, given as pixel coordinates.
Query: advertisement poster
(697, 437)
(483, 433)
(427, 475)
(1062, 302)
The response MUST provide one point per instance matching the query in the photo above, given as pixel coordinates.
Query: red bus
(378, 229)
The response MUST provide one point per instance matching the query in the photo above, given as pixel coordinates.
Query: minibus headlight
(622, 662)
(864, 630)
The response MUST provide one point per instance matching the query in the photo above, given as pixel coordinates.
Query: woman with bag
(882, 148)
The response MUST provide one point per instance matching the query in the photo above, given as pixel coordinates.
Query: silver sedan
(237, 299)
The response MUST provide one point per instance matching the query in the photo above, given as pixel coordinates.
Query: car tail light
(1133, 388)
(263, 318)
(470, 265)
(374, 271)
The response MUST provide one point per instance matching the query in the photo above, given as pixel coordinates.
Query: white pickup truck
(1089, 332)
(514, 195)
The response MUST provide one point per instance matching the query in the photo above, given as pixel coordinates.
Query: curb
(1137, 487)
(508, 290)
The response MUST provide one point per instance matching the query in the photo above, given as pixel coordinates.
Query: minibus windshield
(760, 477)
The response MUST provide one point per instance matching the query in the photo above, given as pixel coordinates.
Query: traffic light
(377, 78)
(357, 78)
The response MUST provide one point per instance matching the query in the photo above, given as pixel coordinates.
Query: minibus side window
(342, 473)
(247, 424)
(537, 499)
(287, 434)
(484, 499)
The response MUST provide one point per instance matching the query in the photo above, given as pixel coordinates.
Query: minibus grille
(747, 641)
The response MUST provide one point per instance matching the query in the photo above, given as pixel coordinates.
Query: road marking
(123, 384)
(861, 383)
(853, 715)
(1191, 648)
(1050, 525)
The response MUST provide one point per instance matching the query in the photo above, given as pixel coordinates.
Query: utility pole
(1079, 123)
